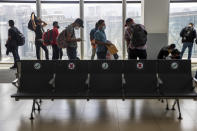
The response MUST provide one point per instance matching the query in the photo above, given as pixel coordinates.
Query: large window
(20, 13)
(65, 14)
(180, 15)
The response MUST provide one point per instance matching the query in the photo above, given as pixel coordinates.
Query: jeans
(186, 45)
(93, 53)
(101, 55)
(39, 45)
(72, 53)
(136, 53)
(15, 55)
(56, 52)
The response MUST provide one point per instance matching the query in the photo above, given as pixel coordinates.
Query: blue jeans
(15, 55)
(186, 45)
(72, 53)
(101, 55)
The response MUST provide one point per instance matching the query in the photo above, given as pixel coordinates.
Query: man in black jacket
(11, 43)
(188, 35)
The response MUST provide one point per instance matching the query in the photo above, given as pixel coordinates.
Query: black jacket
(189, 38)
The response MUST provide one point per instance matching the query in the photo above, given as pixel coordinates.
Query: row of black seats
(105, 79)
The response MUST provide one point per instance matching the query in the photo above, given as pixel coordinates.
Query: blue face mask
(104, 27)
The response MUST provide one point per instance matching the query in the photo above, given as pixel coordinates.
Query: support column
(82, 30)
(38, 11)
(124, 15)
(155, 17)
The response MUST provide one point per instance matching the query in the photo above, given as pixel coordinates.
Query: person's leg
(55, 52)
(72, 53)
(142, 54)
(183, 49)
(101, 55)
(60, 53)
(16, 57)
(132, 54)
(190, 47)
(93, 53)
(46, 51)
(37, 44)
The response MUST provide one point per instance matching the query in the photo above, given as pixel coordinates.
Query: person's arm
(182, 32)
(44, 24)
(33, 21)
(70, 39)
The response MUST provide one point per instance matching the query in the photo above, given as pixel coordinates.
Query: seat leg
(167, 105)
(173, 106)
(180, 116)
(38, 105)
(33, 109)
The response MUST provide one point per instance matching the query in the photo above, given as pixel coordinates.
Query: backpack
(47, 37)
(61, 39)
(20, 38)
(188, 32)
(30, 25)
(139, 36)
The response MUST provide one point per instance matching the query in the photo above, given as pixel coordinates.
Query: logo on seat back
(71, 66)
(140, 65)
(37, 66)
(174, 65)
(105, 66)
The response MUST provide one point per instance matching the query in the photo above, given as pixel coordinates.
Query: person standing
(92, 40)
(11, 43)
(101, 41)
(72, 40)
(136, 38)
(38, 26)
(56, 49)
(188, 35)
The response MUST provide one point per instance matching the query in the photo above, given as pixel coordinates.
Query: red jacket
(55, 35)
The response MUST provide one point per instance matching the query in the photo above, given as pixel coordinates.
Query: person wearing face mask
(56, 50)
(188, 35)
(101, 41)
(72, 40)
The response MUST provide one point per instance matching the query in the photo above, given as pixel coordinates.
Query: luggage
(32, 19)
(139, 37)
(61, 39)
(47, 37)
(20, 38)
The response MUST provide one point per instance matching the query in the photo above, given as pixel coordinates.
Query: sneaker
(13, 67)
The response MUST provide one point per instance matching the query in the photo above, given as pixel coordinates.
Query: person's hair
(96, 25)
(172, 46)
(11, 22)
(55, 23)
(100, 22)
(191, 23)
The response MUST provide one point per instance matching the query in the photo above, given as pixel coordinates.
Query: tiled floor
(95, 115)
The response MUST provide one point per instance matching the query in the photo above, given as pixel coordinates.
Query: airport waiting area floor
(95, 115)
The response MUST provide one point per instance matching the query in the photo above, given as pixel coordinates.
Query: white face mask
(76, 28)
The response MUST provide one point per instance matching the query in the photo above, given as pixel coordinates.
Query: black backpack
(139, 36)
(20, 38)
(48, 37)
(30, 25)
(188, 32)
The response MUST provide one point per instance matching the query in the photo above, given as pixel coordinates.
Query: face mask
(76, 28)
(104, 27)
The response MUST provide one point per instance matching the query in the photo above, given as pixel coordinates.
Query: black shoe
(13, 67)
